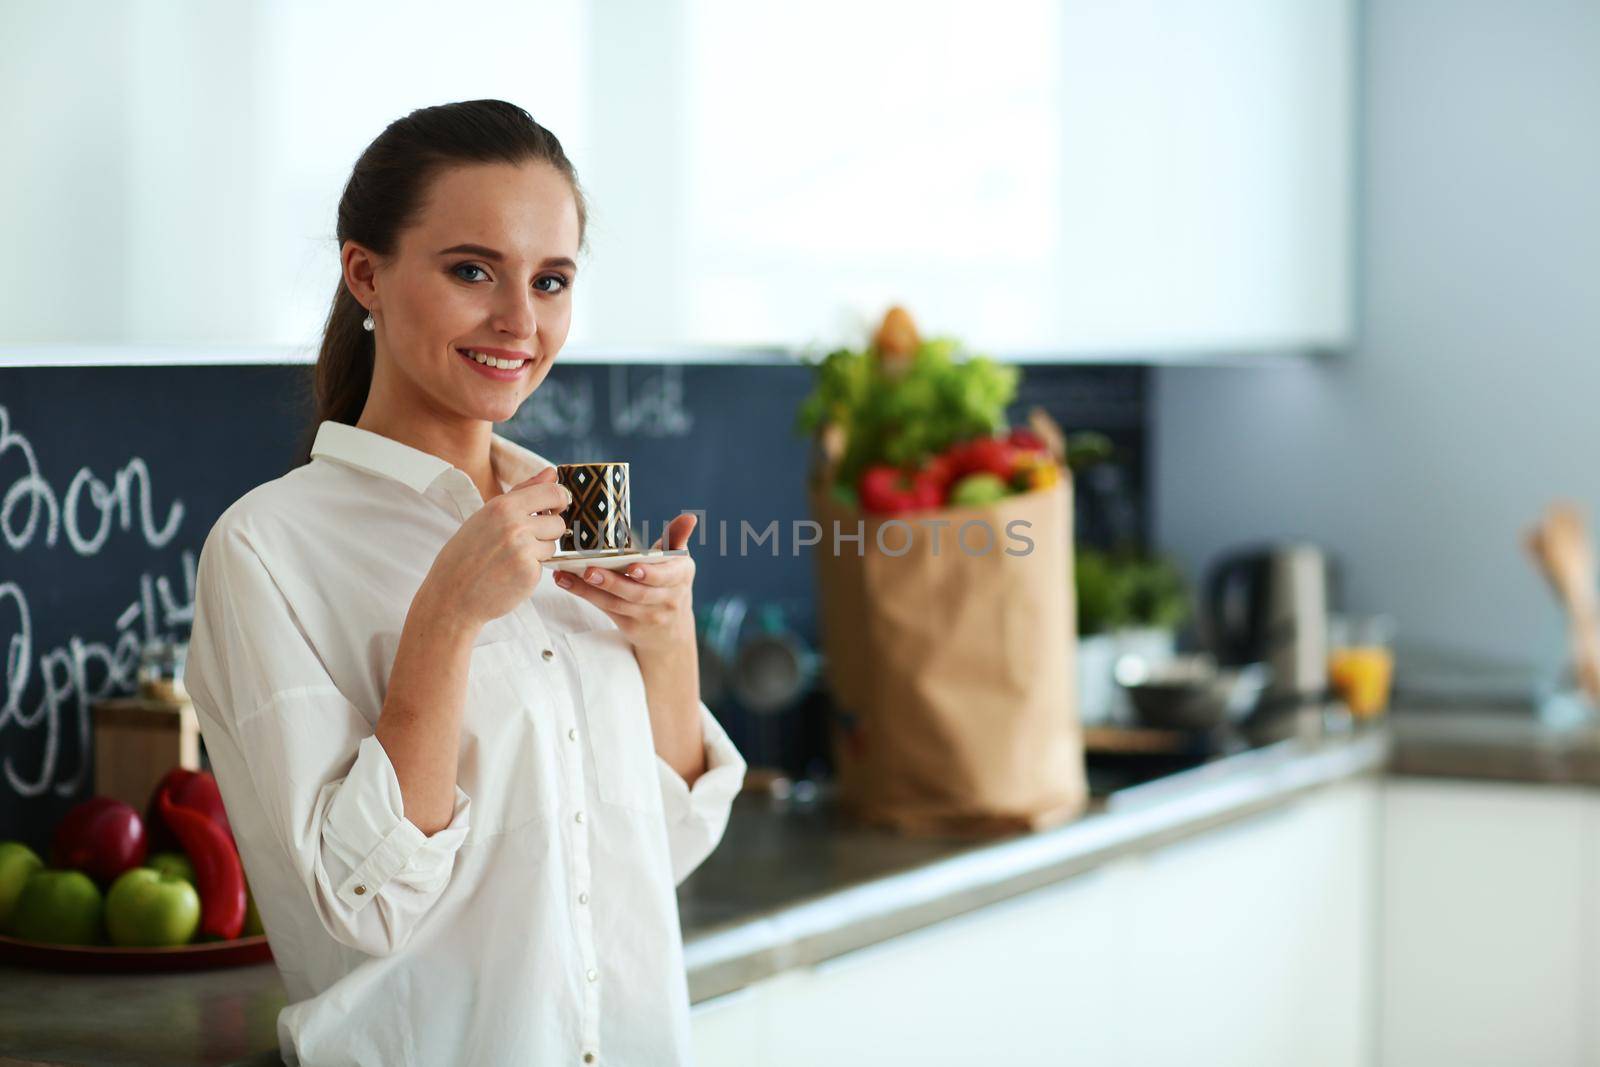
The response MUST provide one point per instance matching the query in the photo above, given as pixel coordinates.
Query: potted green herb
(1129, 603)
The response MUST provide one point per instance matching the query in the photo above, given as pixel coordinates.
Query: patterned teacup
(598, 517)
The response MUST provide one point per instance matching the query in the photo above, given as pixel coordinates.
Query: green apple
(148, 908)
(17, 862)
(60, 907)
(172, 863)
(252, 917)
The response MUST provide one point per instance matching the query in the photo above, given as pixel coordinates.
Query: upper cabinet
(1051, 179)
(1057, 179)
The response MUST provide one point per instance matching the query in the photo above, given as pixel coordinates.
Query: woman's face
(487, 267)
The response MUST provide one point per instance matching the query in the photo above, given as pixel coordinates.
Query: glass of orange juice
(1361, 662)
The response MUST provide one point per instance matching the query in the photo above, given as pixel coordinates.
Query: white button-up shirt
(541, 925)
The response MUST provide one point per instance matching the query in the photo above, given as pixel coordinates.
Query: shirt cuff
(368, 831)
(716, 787)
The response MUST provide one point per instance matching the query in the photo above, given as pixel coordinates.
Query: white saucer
(610, 559)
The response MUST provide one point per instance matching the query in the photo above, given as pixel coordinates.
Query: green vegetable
(1126, 589)
(943, 396)
(1087, 448)
(975, 490)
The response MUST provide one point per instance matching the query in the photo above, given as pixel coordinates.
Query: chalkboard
(111, 477)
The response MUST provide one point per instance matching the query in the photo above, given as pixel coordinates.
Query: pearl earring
(367, 323)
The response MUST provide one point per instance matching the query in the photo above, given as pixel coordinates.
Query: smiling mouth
(491, 361)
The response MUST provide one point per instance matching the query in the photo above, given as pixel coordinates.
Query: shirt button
(572, 735)
(548, 654)
(594, 976)
(583, 898)
(579, 816)
(360, 890)
(588, 1057)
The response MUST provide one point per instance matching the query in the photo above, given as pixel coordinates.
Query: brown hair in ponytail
(385, 191)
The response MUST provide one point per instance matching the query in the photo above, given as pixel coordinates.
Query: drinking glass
(1361, 662)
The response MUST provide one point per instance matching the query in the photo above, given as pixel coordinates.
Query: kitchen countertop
(788, 889)
(1493, 743)
(790, 885)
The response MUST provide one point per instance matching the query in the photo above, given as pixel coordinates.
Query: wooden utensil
(1561, 546)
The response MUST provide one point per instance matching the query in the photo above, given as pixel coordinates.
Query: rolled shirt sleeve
(697, 817)
(320, 777)
(371, 850)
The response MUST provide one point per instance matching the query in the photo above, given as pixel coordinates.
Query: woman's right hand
(495, 561)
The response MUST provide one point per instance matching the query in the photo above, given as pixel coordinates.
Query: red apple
(101, 837)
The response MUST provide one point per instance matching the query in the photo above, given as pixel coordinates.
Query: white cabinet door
(1251, 944)
(1051, 178)
(731, 1029)
(1486, 899)
(1035, 980)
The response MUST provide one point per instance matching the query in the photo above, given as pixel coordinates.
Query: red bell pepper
(218, 873)
(992, 455)
(887, 490)
(939, 470)
(1025, 440)
(196, 790)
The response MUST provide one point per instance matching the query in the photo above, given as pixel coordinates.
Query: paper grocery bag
(953, 671)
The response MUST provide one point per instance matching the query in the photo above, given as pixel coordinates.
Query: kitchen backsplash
(114, 475)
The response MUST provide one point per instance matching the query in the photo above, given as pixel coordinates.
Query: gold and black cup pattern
(598, 516)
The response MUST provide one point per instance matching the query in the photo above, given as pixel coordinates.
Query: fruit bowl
(109, 959)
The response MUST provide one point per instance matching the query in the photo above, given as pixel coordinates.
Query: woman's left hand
(651, 603)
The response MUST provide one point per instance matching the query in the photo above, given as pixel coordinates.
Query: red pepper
(885, 490)
(928, 489)
(1025, 440)
(196, 790)
(217, 870)
(939, 470)
(995, 455)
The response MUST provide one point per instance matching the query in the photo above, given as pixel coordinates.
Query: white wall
(1473, 394)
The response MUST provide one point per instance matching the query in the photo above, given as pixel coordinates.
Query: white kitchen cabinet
(1050, 178)
(1252, 944)
(1031, 980)
(731, 1028)
(1489, 952)
(1249, 944)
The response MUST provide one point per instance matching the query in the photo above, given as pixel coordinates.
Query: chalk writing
(73, 675)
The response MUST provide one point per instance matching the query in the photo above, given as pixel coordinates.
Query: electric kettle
(1270, 605)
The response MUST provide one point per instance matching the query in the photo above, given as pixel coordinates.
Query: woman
(463, 786)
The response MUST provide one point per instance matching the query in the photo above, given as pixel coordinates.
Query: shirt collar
(413, 467)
